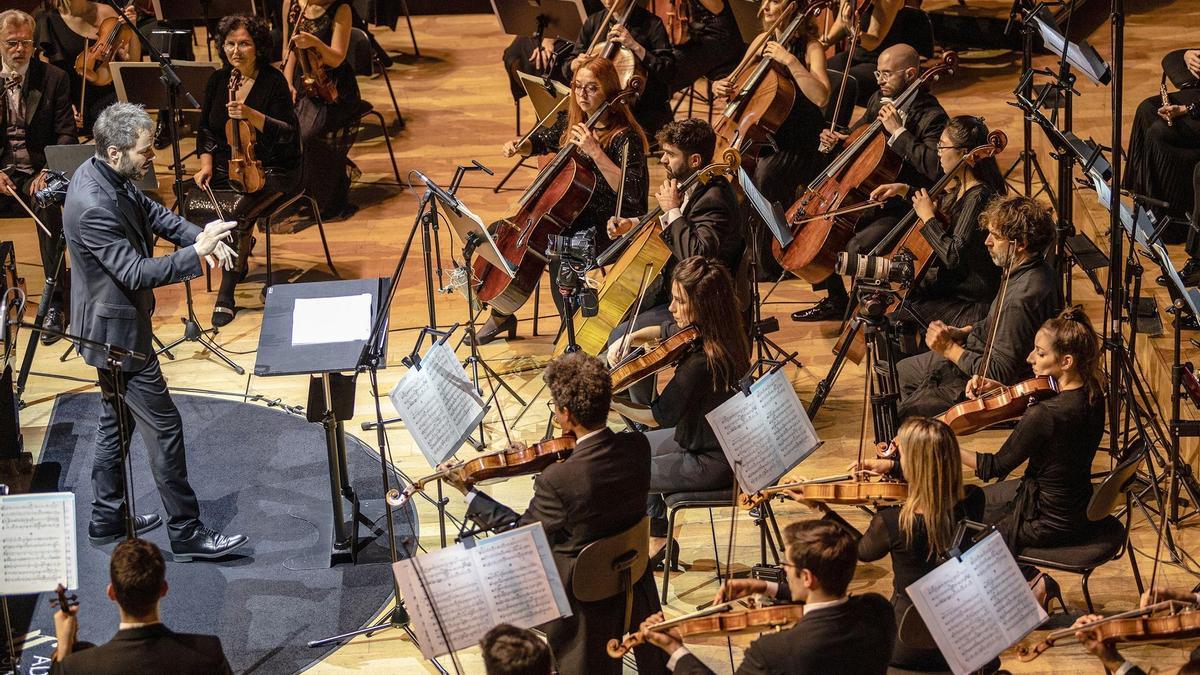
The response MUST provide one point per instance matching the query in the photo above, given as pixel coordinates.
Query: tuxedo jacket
(924, 121)
(48, 118)
(113, 267)
(709, 225)
(153, 648)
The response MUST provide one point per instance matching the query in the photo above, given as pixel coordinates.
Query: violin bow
(991, 340)
(30, 212)
(621, 185)
(637, 309)
(83, 82)
(603, 28)
(854, 31)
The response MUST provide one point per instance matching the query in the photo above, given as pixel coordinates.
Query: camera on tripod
(878, 270)
(55, 191)
(576, 254)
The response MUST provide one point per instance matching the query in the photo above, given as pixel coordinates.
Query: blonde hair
(930, 461)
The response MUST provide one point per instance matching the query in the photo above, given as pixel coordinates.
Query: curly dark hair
(582, 385)
(692, 136)
(508, 650)
(137, 573)
(259, 32)
(1021, 219)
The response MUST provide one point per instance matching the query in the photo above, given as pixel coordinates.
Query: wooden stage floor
(457, 105)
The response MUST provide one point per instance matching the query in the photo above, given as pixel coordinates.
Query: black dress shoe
(101, 534)
(825, 310)
(492, 329)
(55, 320)
(206, 544)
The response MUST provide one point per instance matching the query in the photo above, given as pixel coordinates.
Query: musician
(594, 83)
(323, 27)
(962, 280)
(544, 58)
(912, 134)
(1019, 230)
(685, 453)
(644, 35)
(1107, 652)
(595, 493)
(793, 159)
(263, 101)
(840, 633)
(35, 114)
(702, 221)
(714, 42)
(882, 27)
(110, 227)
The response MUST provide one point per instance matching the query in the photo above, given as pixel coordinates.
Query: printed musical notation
(37, 543)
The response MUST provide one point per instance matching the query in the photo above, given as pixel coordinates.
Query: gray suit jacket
(113, 268)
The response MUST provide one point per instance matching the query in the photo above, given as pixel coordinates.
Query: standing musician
(323, 28)
(913, 135)
(685, 454)
(595, 493)
(793, 160)
(884, 26)
(262, 100)
(962, 281)
(645, 36)
(110, 227)
(594, 83)
(35, 113)
(839, 633)
(1019, 231)
(714, 42)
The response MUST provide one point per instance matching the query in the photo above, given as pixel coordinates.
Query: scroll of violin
(999, 405)
(245, 170)
(833, 490)
(500, 465)
(633, 370)
(62, 600)
(729, 618)
(1160, 622)
(115, 36)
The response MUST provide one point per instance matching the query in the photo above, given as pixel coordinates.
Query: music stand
(562, 19)
(140, 82)
(545, 94)
(1081, 55)
(202, 10)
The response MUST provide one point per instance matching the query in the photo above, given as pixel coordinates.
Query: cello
(245, 170)
(630, 71)
(865, 164)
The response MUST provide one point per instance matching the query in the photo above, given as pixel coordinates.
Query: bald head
(898, 66)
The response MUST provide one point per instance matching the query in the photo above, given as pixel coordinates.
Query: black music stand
(561, 19)
(202, 10)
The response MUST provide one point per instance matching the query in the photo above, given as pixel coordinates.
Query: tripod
(1027, 158)
(765, 349)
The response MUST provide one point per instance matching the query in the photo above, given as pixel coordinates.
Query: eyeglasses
(589, 89)
(13, 44)
(887, 74)
(242, 46)
(949, 147)
(551, 406)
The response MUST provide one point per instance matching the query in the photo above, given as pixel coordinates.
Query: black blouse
(687, 398)
(343, 74)
(61, 46)
(704, 25)
(963, 268)
(277, 145)
(801, 131)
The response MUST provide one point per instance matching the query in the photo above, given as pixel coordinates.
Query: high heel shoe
(656, 563)
(1050, 591)
(493, 328)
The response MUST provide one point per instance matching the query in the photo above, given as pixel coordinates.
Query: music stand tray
(543, 100)
(139, 82)
(199, 10)
(561, 19)
(68, 158)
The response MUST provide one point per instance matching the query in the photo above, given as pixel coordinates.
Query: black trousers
(150, 410)
(1193, 238)
(578, 641)
(47, 244)
(705, 56)
(676, 469)
(326, 170)
(929, 385)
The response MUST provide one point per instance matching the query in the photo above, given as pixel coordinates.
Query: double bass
(865, 164)
(245, 170)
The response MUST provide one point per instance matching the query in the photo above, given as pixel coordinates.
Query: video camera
(576, 255)
(899, 269)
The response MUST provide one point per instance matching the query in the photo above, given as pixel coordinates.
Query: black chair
(1110, 536)
(915, 23)
(680, 501)
(344, 138)
(366, 59)
(848, 98)
(316, 212)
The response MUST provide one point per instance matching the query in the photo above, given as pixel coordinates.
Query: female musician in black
(684, 451)
(64, 29)
(263, 101)
(594, 82)
(323, 27)
(779, 171)
(714, 42)
(962, 281)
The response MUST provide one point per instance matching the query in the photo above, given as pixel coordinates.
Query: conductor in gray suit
(111, 227)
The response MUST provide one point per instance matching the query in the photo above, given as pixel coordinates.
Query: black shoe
(657, 562)
(206, 544)
(825, 310)
(223, 313)
(1188, 322)
(55, 320)
(100, 534)
(493, 328)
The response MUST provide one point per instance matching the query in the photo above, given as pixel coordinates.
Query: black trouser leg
(1193, 238)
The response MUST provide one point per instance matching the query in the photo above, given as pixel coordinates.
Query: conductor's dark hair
(259, 32)
(137, 573)
(692, 136)
(508, 650)
(826, 550)
(581, 384)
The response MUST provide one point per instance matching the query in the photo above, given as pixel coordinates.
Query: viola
(115, 35)
(998, 405)
(866, 163)
(1160, 622)
(630, 71)
(640, 366)
(675, 15)
(729, 618)
(494, 466)
(63, 601)
(245, 170)
(314, 80)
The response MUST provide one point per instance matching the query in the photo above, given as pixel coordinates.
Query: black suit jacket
(146, 649)
(709, 225)
(48, 118)
(854, 637)
(113, 267)
(924, 121)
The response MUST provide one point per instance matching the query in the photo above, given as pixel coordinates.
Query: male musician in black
(913, 135)
(35, 113)
(110, 228)
(1020, 230)
(839, 633)
(597, 492)
(645, 36)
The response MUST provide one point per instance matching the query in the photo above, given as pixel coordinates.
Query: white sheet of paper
(977, 607)
(766, 434)
(438, 403)
(457, 594)
(37, 543)
(318, 321)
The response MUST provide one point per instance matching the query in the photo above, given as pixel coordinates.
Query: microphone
(1147, 202)
(447, 198)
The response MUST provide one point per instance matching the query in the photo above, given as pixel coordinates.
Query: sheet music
(318, 321)
(766, 434)
(510, 577)
(37, 543)
(438, 403)
(977, 608)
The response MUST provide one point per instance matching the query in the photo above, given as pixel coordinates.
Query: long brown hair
(715, 313)
(617, 119)
(1071, 333)
(931, 464)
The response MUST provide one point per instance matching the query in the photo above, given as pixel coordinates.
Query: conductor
(110, 227)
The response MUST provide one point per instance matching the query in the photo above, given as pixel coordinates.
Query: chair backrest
(745, 12)
(918, 28)
(597, 574)
(835, 83)
(1110, 491)
(358, 52)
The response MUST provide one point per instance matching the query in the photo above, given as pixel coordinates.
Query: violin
(835, 490)
(245, 170)
(865, 164)
(314, 80)
(1160, 622)
(115, 35)
(494, 466)
(998, 405)
(728, 618)
(749, 501)
(642, 365)
(675, 15)
(62, 600)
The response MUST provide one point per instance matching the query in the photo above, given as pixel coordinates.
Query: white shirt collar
(8, 69)
(127, 625)
(590, 434)
(814, 606)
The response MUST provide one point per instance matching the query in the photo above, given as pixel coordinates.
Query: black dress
(1162, 157)
(1048, 505)
(61, 46)
(713, 48)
